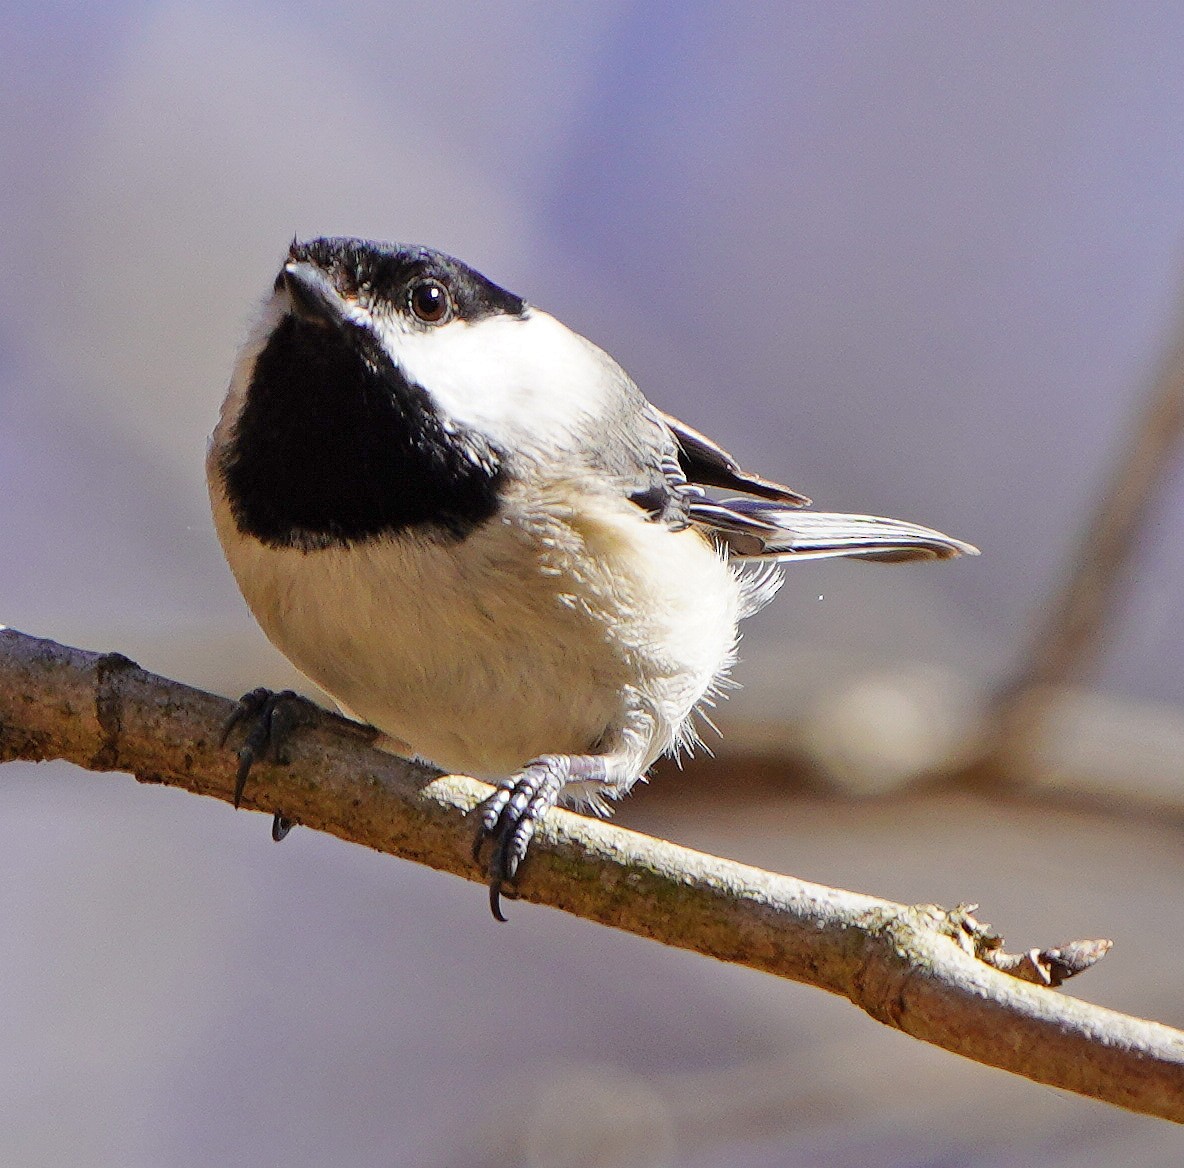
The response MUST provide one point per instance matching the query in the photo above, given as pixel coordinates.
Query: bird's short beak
(312, 294)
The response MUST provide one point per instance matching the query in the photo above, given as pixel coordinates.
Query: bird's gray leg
(272, 717)
(508, 817)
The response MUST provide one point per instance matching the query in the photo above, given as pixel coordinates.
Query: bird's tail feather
(757, 529)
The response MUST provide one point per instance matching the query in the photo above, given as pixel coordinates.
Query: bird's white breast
(550, 629)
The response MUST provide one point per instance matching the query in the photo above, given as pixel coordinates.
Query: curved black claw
(272, 717)
(508, 819)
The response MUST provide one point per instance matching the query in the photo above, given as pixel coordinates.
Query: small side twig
(1047, 967)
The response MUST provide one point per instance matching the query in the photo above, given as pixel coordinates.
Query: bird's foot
(509, 816)
(271, 717)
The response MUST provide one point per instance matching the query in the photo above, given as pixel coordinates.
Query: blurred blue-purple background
(915, 259)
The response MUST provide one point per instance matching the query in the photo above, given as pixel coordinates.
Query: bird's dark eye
(430, 302)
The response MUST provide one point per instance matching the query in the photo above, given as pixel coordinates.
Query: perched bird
(466, 524)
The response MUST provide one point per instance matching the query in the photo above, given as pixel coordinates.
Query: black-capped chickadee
(466, 524)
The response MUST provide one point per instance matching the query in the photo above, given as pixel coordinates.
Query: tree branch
(934, 974)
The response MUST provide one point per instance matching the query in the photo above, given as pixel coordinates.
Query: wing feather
(770, 526)
(710, 465)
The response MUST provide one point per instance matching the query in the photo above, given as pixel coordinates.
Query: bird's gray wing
(707, 464)
(673, 465)
(770, 526)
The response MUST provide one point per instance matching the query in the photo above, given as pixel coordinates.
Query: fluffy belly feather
(536, 634)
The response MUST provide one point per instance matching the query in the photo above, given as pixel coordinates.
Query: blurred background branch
(1037, 705)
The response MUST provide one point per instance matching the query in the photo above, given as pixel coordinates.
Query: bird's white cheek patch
(507, 377)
